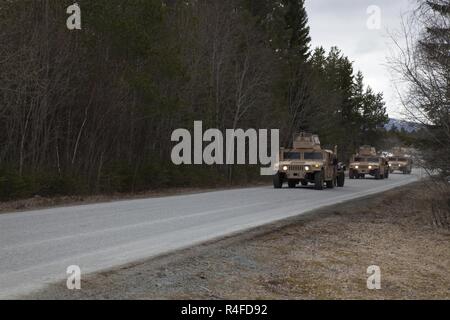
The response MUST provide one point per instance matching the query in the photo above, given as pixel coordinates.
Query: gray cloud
(343, 23)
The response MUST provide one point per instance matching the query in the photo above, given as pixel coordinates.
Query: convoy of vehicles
(368, 162)
(307, 163)
(400, 161)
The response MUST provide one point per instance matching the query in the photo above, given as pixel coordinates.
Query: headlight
(317, 166)
(370, 167)
(285, 168)
(390, 164)
(356, 167)
(307, 168)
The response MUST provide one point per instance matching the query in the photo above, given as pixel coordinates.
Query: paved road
(36, 247)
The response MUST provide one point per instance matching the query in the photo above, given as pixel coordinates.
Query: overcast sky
(343, 23)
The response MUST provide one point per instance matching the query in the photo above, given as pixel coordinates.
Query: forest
(92, 110)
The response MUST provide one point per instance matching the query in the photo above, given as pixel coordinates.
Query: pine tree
(436, 47)
(286, 22)
(296, 20)
(435, 58)
(286, 25)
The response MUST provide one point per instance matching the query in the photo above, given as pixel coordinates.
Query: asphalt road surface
(36, 247)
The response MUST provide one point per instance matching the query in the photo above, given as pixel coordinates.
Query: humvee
(400, 161)
(367, 161)
(308, 163)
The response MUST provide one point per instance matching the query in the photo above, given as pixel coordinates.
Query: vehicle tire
(351, 175)
(340, 179)
(318, 181)
(292, 184)
(304, 183)
(377, 175)
(330, 184)
(277, 181)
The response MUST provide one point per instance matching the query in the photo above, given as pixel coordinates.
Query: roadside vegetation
(422, 65)
(92, 111)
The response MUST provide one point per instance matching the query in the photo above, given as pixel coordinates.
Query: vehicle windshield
(373, 160)
(402, 159)
(392, 159)
(291, 156)
(359, 159)
(313, 156)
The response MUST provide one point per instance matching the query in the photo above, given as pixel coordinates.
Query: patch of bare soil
(323, 255)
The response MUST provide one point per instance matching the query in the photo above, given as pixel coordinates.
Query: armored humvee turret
(400, 161)
(367, 161)
(308, 163)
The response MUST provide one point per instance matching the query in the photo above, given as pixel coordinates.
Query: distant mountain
(408, 126)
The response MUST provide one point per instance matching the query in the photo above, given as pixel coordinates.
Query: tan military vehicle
(368, 162)
(308, 163)
(400, 161)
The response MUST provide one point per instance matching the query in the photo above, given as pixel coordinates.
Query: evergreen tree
(297, 29)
